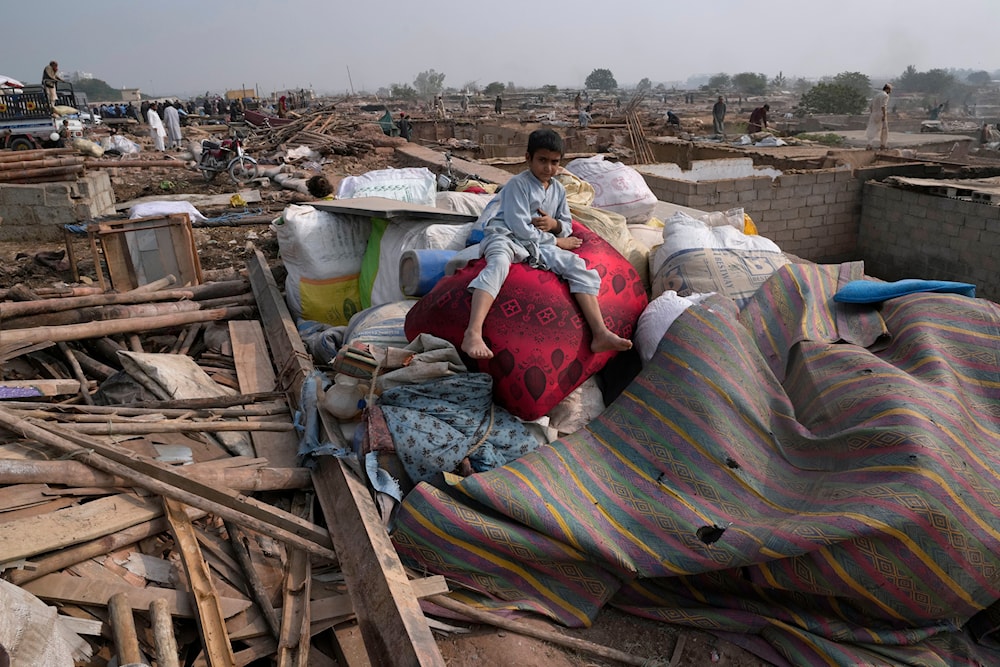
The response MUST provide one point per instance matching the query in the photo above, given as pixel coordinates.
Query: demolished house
(799, 456)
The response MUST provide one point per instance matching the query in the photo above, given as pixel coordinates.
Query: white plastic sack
(470, 203)
(322, 252)
(87, 147)
(657, 317)
(416, 185)
(33, 633)
(617, 187)
(160, 208)
(682, 232)
(123, 145)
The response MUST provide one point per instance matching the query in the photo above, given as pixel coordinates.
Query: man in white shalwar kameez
(878, 118)
(156, 130)
(172, 119)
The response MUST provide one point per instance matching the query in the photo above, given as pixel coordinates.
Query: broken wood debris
(88, 493)
(324, 130)
(157, 525)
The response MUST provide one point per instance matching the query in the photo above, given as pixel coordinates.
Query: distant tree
(934, 82)
(720, 81)
(980, 78)
(660, 88)
(510, 87)
(779, 82)
(749, 83)
(856, 81)
(403, 91)
(494, 88)
(644, 85)
(833, 98)
(550, 89)
(601, 79)
(429, 83)
(471, 86)
(801, 85)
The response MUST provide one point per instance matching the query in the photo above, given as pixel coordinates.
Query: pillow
(732, 272)
(540, 341)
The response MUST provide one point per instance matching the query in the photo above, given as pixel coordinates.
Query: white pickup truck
(28, 121)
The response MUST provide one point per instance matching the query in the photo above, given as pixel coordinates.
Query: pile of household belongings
(812, 479)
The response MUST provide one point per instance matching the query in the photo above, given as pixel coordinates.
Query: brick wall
(38, 212)
(909, 234)
(813, 215)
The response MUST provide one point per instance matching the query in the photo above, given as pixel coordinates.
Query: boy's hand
(568, 242)
(544, 222)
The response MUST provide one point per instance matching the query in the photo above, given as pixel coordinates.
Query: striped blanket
(822, 478)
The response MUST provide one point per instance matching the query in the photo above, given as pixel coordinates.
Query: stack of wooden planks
(45, 165)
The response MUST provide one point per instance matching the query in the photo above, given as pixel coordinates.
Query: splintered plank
(27, 537)
(207, 603)
(392, 624)
(255, 374)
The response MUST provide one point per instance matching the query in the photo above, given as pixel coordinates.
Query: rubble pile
(324, 130)
(137, 426)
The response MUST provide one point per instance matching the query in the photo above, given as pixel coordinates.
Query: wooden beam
(392, 623)
(42, 387)
(74, 473)
(164, 640)
(290, 358)
(80, 590)
(207, 604)
(24, 538)
(255, 373)
(294, 637)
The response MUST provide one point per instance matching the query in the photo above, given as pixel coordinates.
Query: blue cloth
(872, 291)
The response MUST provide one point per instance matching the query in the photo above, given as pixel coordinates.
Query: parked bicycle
(227, 156)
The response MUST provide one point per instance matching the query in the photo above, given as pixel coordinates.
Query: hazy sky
(180, 47)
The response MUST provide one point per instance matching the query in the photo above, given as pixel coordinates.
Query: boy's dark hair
(319, 186)
(548, 140)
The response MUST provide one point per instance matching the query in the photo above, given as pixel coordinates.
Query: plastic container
(420, 270)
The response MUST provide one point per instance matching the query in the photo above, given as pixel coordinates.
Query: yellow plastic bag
(748, 226)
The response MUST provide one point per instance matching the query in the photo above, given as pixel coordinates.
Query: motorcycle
(226, 156)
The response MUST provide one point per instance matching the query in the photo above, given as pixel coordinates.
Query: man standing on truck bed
(49, 78)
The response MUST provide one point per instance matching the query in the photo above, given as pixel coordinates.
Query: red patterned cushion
(540, 341)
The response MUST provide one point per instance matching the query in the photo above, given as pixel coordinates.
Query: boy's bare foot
(608, 341)
(474, 346)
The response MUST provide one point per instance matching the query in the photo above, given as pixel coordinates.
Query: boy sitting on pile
(533, 225)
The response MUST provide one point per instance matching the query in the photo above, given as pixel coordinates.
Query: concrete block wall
(910, 234)
(37, 212)
(814, 215)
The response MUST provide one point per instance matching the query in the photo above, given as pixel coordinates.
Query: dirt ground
(222, 252)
